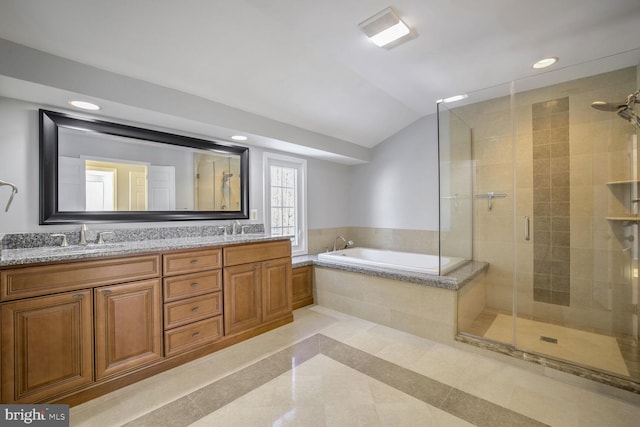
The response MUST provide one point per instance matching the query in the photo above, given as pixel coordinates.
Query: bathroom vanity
(74, 329)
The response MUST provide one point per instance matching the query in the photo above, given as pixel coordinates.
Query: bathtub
(405, 261)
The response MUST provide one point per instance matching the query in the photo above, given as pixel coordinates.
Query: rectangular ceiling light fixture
(386, 29)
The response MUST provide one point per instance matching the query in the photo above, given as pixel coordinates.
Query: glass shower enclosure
(539, 178)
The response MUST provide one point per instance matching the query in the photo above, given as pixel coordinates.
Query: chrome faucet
(101, 236)
(83, 235)
(234, 227)
(346, 242)
(64, 242)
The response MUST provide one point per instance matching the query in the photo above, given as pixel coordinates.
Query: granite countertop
(9, 257)
(454, 280)
(33, 248)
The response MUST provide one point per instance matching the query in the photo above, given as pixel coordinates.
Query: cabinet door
(276, 289)
(47, 346)
(302, 286)
(128, 323)
(242, 297)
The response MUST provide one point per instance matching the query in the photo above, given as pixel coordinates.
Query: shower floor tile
(585, 348)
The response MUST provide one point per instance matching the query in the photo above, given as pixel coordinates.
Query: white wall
(19, 165)
(19, 153)
(399, 187)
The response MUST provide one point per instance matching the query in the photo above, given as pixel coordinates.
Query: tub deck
(454, 280)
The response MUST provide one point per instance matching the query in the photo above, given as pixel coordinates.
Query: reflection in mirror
(216, 182)
(107, 171)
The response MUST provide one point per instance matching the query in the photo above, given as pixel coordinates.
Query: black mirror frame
(51, 121)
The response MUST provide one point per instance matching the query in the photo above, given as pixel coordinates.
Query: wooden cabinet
(71, 331)
(47, 346)
(128, 325)
(67, 325)
(257, 285)
(276, 289)
(302, 285)
(192, 301)
(48, 279)
(242, 297)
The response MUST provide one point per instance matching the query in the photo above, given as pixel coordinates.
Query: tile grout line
(434, 393)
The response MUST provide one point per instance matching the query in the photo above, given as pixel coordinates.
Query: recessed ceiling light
(453, 98)
(84, 105)
(385, 28)
(545, 62)
(239, 138)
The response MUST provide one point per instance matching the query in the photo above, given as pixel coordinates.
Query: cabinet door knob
(79, 296)
(195, 334)
(106, 292)
(194, 284)
(194, 309)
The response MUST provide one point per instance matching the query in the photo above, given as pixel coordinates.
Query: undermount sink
(89, 249)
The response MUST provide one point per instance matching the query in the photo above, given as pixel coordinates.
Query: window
(285, 199)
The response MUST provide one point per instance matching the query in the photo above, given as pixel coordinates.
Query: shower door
(575, 216)
(555, 215)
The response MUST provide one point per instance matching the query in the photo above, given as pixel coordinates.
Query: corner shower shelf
(630, 218)
(626, 181)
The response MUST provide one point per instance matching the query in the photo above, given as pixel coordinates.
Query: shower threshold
(550, 362)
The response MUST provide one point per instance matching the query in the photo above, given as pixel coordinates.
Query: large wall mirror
(96, 171)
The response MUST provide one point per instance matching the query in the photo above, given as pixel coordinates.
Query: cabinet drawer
(189, 310)
(192, 335)
(192, 261)
(255, 252)
(47, 279)
(189, 285)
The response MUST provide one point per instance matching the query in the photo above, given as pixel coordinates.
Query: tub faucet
(346, 242)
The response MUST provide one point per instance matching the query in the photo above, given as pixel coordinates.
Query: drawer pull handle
(194, 309)
(194, 284)
(195, 334)
(194, 261)
(79, 296)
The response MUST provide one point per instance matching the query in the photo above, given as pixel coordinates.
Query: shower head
(629, 115)
(607, 106)
(623, 109)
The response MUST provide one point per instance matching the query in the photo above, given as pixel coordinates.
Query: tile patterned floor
(330, 369)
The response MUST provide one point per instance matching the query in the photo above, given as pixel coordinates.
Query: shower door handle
(526, 228)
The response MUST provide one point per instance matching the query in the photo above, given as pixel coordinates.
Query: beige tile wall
(418, 241)
(424, 311)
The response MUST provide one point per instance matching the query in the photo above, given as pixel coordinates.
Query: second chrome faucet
(83, 235)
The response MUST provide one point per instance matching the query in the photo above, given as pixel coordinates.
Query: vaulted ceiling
(306, 63)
